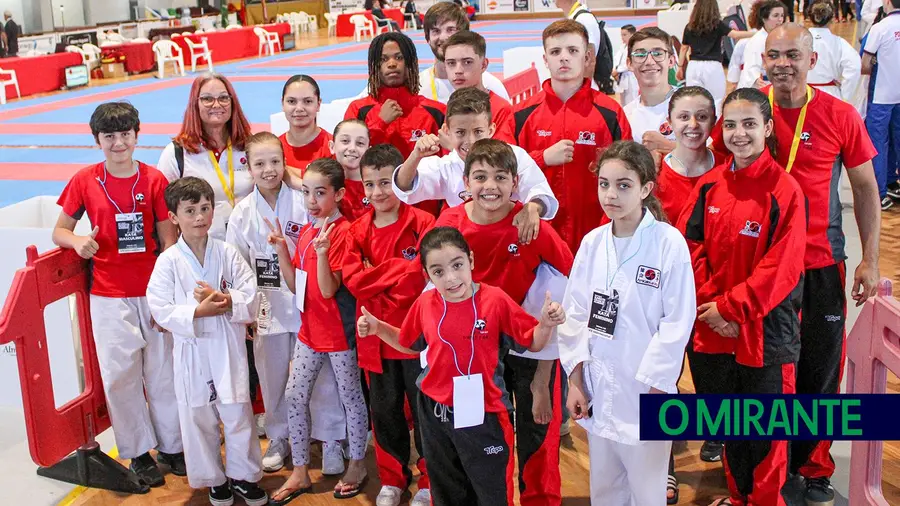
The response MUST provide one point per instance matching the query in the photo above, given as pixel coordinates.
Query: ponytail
(655, 207)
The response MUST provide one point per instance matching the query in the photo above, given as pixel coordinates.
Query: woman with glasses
(210, 146)
(701, 50)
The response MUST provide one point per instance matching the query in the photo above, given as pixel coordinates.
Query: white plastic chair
(85, 58)
(301, 21)
(361, 26)
(233, 27)
(312, 22)
(168, 51)
(409, 21)
(199, 50)
(331, 19)
(267, 41)
(8, 78)
(140, 39)
(382, 25)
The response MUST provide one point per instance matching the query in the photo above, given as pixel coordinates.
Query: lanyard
(113, 202)
(256, 214)
(434, 94)
(574, 9)
(608, 254)
(313, 227)
(228, 188)
(471, 337)
(798, 131)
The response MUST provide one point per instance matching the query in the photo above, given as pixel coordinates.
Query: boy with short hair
(205, 294)
(464, 58)
(565, 126)
(424, 176)
(650, 57)
(123, 199)
(532, 378)
(381, 271)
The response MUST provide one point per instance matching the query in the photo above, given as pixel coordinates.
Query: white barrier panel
(673, 22)
(517, 59)
(22, 224)
(330, 115)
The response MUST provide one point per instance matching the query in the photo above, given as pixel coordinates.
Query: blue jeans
(883, 124)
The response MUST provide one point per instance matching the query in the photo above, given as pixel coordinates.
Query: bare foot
(353, 478)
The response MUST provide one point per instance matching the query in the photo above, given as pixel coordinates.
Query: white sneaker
(389, 496)
(564, 429)
(332, 458)
(261, 425)
(422, 498)
(275, 455)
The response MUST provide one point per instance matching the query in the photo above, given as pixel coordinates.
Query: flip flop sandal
(290, 497)
(722, 501)
(355, 491)
(672, 484)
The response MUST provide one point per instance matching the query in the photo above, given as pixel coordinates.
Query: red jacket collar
(401, 95)
(756, 169)
(583, 93)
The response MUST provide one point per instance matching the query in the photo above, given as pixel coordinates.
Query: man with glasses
(650, 57)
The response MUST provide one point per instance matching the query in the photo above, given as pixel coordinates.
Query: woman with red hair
(210, 146)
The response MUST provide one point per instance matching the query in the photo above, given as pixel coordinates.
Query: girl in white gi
(204, 293)
(631, 307)
(278, 320)
(837, 70)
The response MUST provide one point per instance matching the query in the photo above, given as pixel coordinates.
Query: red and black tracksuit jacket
(747, 232)
(503, 119)
(592, 121)
(381, 269)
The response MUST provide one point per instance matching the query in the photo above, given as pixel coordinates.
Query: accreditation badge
(604, 313)
(130, 232)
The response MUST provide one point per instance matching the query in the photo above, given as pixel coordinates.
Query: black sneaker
(887, 203)
(819, 492)
(175, 461)
(893, 190)
(711, 451)
(146, 469)
(250, 493)
(221, 495)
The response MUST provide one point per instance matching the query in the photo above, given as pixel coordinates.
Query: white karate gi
(211, 373)
(626, 85)
(736, 64)
(136, 367)
(656, 312)
(837, 63)
(441, 178)
(753, 61)
(274, 345)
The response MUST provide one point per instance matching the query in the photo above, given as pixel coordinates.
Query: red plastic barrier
(873, 348)
(52, 433)
(523, 85)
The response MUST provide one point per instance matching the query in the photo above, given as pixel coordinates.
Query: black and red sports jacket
(747, 233)
(421, 116)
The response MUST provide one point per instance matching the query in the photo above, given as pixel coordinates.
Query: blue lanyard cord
(113, 202)
(472, 336)
(609, 240)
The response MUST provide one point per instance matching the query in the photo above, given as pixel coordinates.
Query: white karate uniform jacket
(838, 62)
(247, 231)
(208, 351)
(441, 178)
(753, 62)
(547, 279)
(656, 313)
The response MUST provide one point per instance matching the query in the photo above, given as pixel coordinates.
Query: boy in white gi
(123, 199)
(204, 293)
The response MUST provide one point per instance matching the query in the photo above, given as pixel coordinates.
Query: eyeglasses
(640, 56)
(209, 100)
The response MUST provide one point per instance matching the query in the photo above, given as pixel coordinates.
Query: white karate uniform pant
(626, 475)
(272, 355)
(329, 422)
(135, 359)
(709, 75)
(202, 453)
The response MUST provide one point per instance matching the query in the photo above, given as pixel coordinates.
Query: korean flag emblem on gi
(647, 276)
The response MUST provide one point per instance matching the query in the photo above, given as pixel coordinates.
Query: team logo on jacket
(513, 249)
(464, 195)
(409, 253)
(666, 129)
(417, 134)
(713, 210)
(139, 197)
(804, 136)
(292, 229)
(544, 133)
(481, 326)
(587, 138)
(751, 229)
(648, 276)
(243, 162)
(224, 285)
(365, 201)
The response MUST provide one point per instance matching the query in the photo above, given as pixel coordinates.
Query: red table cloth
(138, 55)
(232, 44)
(39, 74)
(345, 27)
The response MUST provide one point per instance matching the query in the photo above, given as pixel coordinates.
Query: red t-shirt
(833, 135)
(393, 282)
(502, 116)
(304, 155)
(501, 326)
(328, 324)
(117, 274)
(354, 204)
(500, 260)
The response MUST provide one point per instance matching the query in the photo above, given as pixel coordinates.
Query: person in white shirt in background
(766, 15)
(626, 83)
(837, 70)
(637, 271)
(650, 57)
(735, 65)
(442, 20)
(582, 13)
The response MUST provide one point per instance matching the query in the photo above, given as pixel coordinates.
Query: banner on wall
(498, 6)
(545, 6)
(338, 6)
(520, 5)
